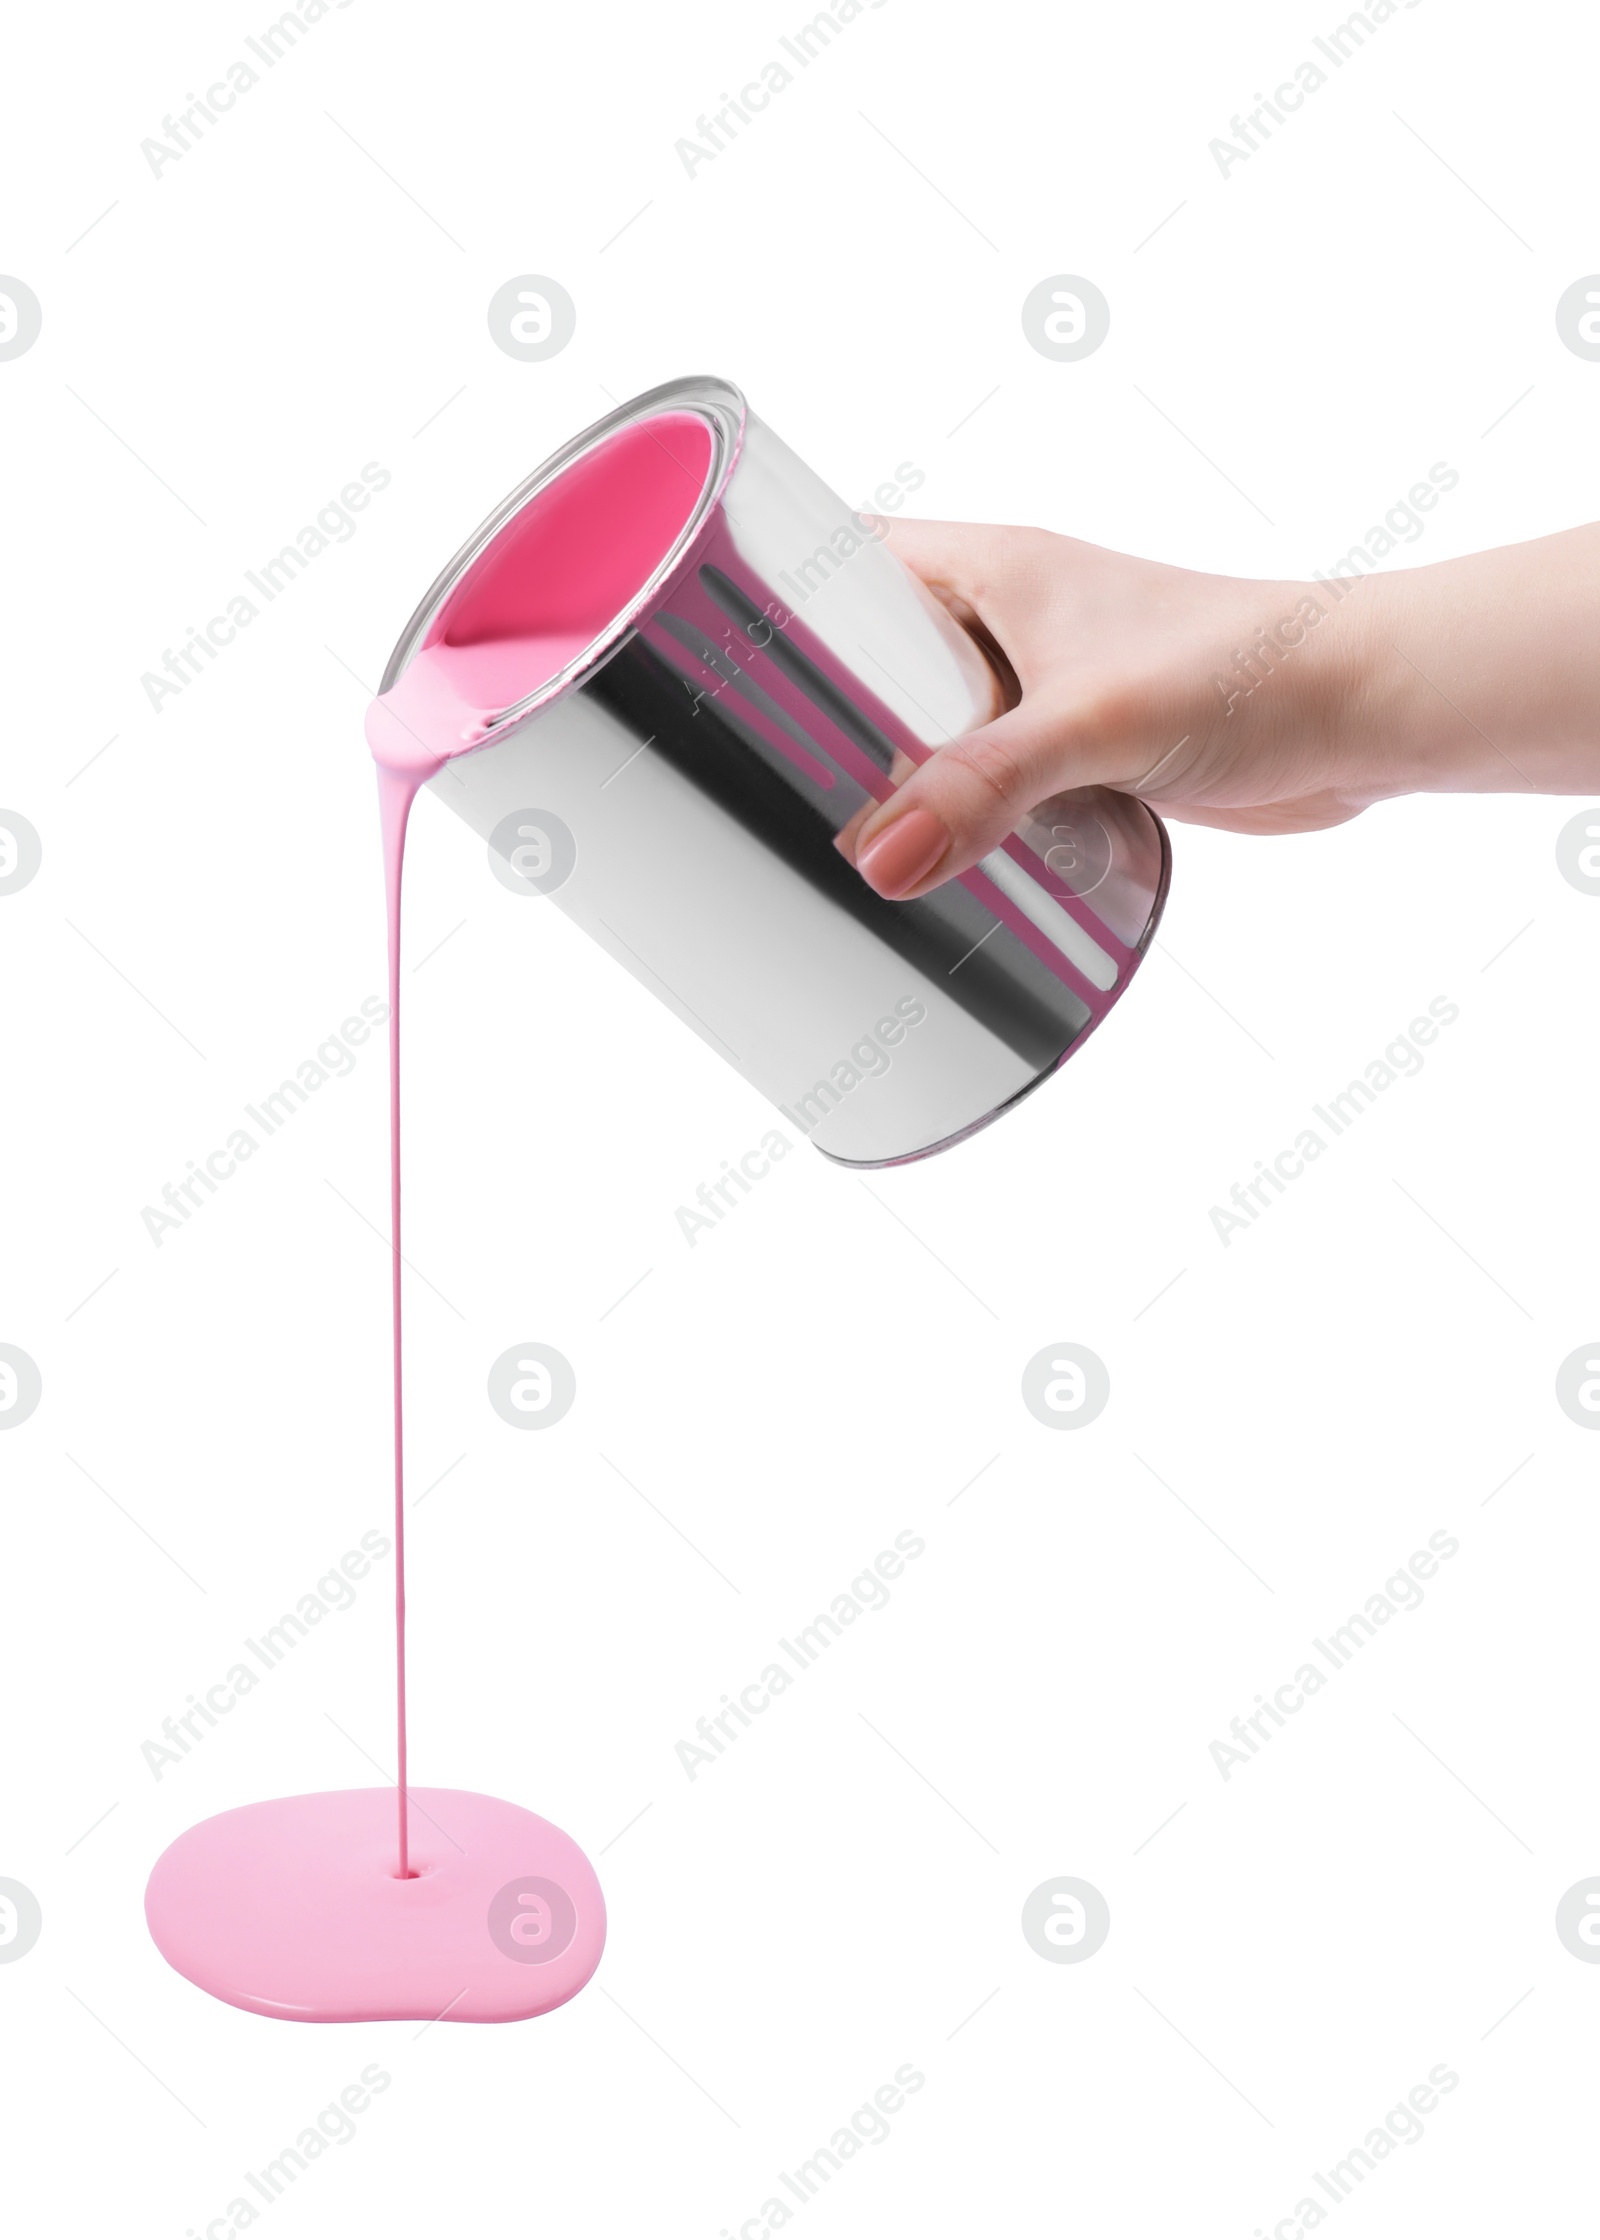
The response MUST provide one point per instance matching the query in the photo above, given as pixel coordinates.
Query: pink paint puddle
(293, 1908)
(366, 1905)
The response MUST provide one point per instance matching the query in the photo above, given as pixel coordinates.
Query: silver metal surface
(779, 672)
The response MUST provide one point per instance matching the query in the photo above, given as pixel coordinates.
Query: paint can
(684, 720)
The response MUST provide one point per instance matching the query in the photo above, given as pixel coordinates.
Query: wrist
(1480, 675)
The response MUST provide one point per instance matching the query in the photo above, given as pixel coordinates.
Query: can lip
(720, 405)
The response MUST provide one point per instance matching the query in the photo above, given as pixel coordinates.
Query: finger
(846, 837)
(966, 798)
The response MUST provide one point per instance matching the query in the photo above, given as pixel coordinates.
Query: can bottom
(946, 1143)
(976, 1127)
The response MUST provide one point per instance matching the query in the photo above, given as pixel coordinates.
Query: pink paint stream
(476, 1910)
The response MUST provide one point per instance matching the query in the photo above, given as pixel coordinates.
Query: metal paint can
(775, 674)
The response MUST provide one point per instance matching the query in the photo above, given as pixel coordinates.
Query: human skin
(1230, 701)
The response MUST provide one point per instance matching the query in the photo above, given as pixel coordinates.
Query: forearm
(1482, 675)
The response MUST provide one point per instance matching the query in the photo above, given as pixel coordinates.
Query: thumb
(964, 800)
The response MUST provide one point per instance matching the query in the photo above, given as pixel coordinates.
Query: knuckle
(1004, 770)
(1000, 559)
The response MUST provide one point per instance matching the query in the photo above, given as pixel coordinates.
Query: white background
(1288, 1421)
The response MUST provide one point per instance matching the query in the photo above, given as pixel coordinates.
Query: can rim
(720, 405)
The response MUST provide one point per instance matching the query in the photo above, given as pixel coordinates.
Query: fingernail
(903, 853)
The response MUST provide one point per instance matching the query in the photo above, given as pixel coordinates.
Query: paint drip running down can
(667, 672)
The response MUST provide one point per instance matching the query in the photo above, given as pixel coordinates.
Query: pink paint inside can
(564, 575)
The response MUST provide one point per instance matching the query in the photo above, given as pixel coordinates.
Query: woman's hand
(1260, 706)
